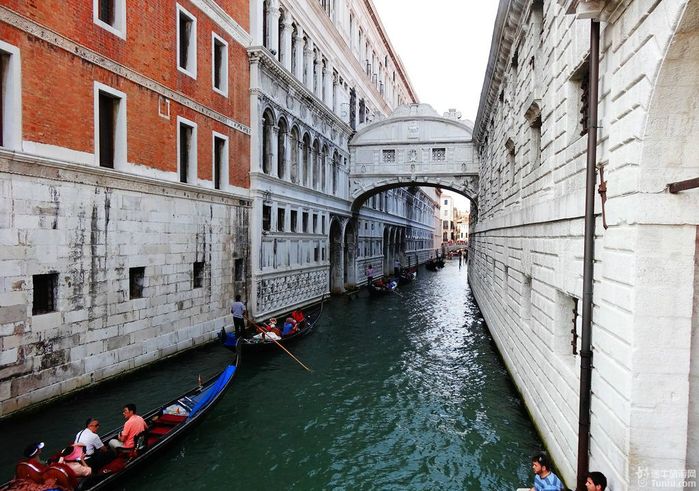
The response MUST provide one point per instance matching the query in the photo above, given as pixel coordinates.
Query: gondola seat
(170, 419)
(32, 471)
(63, 475)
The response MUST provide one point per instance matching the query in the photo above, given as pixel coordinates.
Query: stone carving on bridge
(442, 157)
(284, 291)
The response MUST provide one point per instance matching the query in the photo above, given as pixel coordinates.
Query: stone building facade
(319, 71)
(526, 243)
(124, 188)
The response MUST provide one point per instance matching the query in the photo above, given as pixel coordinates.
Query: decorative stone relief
(293, 289)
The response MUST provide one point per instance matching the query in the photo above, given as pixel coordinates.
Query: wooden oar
(279, 344)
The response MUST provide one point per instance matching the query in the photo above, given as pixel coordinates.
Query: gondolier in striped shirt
(238, 311)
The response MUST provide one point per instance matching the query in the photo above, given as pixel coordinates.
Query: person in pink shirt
(133, 426)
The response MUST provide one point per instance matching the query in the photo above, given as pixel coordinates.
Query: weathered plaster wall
(90, 226)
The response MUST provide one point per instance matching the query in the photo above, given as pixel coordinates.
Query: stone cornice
(89, 56)
(508, 17)
(44, 168)
(260, 54)
(216, 13)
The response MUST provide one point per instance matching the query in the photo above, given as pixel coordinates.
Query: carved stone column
(308, 54)
(273, 149)
(273, 26)
(328, 75)
(287, 156)
(285, 41)
(318, 85)
(299, 54)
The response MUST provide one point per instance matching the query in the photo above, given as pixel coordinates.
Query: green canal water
(407, 393)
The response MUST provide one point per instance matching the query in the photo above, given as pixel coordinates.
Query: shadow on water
(407, 392)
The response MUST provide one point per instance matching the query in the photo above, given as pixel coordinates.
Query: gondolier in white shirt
(238, 311)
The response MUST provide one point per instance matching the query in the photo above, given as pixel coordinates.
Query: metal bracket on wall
(676, 187)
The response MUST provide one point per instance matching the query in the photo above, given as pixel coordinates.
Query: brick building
(124, 188)
(526, 245)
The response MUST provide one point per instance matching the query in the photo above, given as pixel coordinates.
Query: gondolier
(238, 311)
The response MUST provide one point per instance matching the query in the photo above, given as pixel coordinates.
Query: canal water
(407, 392)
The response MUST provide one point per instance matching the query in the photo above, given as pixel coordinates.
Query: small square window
(44, 293)
(439, 154)
(198, 274)
(136, 278)
(389, 156)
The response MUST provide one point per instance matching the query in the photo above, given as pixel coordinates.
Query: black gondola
(407, 275)
(250, 345)
(382, 289)
(165, 424)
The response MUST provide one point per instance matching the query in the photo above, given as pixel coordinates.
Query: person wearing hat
(33, 451)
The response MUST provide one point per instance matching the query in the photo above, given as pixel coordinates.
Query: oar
(282, 347)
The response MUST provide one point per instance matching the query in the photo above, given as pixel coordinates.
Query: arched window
(294, 156)
(323, 168)
(267, 124)
(281, 149)
(316, 163)
(335, 171)
(306, 159)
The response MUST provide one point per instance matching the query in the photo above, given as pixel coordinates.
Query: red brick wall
(57, 86)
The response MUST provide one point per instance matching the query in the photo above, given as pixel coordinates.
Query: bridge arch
(414, 146)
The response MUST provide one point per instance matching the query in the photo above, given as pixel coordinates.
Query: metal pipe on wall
(588, 262)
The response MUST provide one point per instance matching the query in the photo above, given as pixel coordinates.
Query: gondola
(407, 276)
(166, 423)
(432, 265)
(250, 345)
(382, 289)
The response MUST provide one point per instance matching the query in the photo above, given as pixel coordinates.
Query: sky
(444, 46)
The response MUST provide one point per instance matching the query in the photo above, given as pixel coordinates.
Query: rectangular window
(315, 224)
(315, 253)
(110, 127)
(3, 70)
(219, 52)
(44, 293)
(238, 269)
(187, 150)
(281, 217)
(107, 127)
(305, 221)
(186, 42)
(220, 161)
(110, 15)
(439, 154)
(136, 277)
(389, 156)
(10, 97)
(266, 217)
(322, 225)
(198, 274)
(292, 219)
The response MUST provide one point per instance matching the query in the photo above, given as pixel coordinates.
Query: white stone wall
(527, 242)
(90, 226)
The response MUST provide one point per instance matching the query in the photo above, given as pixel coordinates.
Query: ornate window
(389, 156)
(439, 154)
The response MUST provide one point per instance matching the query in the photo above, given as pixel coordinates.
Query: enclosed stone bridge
(414, 146)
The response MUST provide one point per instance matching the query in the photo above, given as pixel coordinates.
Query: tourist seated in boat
(289, 327)
(96, 453)
(133, 426)
(392, 285)
(298, 316)
(74, 457)
(379, 283)
(272, 327)
(266, 336)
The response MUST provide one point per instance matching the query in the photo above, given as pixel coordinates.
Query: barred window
(439, 154)
(389, 156)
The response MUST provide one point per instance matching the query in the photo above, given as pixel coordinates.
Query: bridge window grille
(439, 154)
(389, 156)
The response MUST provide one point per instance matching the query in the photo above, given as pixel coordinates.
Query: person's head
(129, 410)
(596, 481)
(541, 464)
(92, 424)
(237, 298)
(33, 450)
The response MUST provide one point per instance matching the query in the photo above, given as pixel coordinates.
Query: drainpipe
(588, 262)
